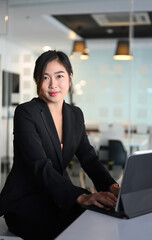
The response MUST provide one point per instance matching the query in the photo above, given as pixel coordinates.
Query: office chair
(103, 153)
(117, 153)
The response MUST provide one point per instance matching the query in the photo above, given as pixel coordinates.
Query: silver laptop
(135, 195)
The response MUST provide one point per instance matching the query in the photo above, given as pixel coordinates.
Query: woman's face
(56, 82)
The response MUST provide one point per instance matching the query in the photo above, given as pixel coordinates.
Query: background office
(109, 91)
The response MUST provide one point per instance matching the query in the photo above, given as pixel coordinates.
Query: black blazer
(40, 164)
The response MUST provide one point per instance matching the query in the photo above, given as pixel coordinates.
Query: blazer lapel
(50, 126)
(68, 133)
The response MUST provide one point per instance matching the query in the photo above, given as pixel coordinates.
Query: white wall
(15, 59)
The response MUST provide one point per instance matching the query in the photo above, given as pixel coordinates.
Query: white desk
(136, 142)
(92, 225)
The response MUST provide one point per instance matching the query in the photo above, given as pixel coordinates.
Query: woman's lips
(52, 94)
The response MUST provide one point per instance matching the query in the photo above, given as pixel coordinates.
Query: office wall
(14, 59)
(115, 90)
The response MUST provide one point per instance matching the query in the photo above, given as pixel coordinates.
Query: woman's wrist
(114, 188)
(81, 198)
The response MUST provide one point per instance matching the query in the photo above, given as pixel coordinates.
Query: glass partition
(115, 96)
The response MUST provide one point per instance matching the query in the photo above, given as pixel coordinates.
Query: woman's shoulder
(74, 111)
(33, 102)
(29, 106)
(73, 108)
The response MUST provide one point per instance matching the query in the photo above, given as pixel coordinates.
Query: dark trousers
(35, 218)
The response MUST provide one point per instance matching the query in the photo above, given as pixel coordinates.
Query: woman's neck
(55, 108)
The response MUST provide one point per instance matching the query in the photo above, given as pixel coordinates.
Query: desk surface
(92, 225)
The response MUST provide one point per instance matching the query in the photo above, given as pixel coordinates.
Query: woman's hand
(98, 199)
(114, 188)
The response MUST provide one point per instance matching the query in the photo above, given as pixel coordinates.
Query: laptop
(135, 195)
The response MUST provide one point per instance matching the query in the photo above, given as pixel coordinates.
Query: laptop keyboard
(106, 210)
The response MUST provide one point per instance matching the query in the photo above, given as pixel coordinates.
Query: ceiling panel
(110, 25)
(31, 23)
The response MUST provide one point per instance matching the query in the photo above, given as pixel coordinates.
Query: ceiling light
(6, 18)
(72, 35)
(123, 51)
(109, 30)
(80, 47)
(84, 56)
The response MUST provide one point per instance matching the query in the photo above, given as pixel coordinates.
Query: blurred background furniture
(114, 154)
(117, 153)
(141, 128)
(103, 153)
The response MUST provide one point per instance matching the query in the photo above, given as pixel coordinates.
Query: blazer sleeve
(90, 162)
(30, 148)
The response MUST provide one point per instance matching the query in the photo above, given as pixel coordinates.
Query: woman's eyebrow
(54, 72)
(59, 72)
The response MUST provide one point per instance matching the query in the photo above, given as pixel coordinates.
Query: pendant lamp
(123, 51)
(80, 47)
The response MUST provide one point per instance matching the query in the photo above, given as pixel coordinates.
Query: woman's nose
(52, 83)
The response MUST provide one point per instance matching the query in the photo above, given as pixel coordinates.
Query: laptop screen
(136, 189)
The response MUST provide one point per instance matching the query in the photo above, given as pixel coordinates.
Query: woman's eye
(60, 76)
(46, 78)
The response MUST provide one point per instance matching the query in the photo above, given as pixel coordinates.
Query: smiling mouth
(52, 94)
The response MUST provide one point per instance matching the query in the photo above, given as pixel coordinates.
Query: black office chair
(103, 154)
(117, 153)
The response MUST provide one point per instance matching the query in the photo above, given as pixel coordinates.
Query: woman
(38, 199)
